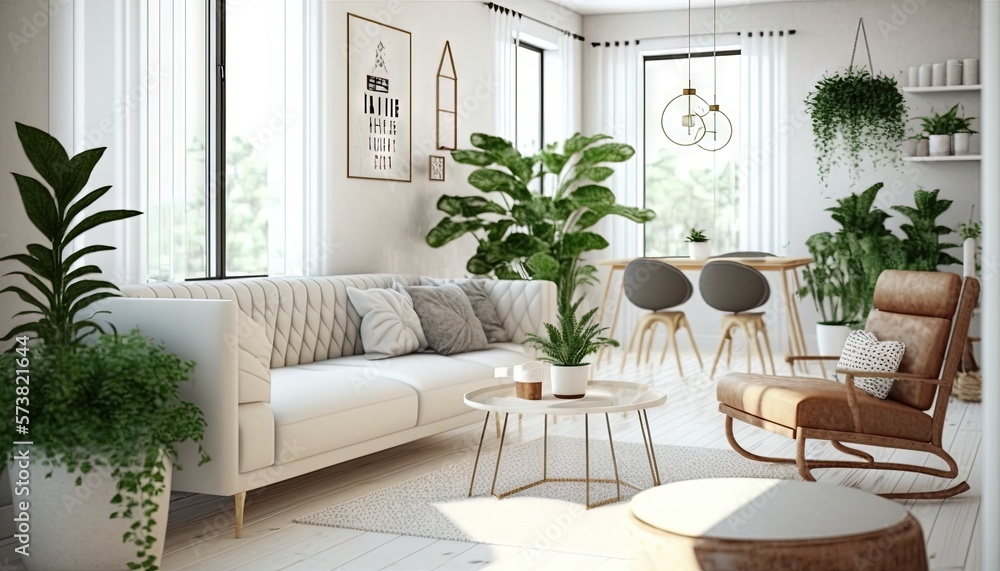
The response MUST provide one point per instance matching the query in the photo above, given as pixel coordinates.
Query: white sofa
(325, 402)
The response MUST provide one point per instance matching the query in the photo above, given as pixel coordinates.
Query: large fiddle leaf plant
(526, 234)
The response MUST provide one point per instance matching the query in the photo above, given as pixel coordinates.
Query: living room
(266, 140)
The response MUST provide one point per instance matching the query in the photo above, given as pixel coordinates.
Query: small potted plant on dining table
(698, 247)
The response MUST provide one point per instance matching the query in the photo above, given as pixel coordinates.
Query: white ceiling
(591, 7)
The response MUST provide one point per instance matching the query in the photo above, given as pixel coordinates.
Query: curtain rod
(608, 44)
(499, 8)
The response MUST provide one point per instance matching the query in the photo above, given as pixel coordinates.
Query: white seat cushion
(322, 406)
(494, 356)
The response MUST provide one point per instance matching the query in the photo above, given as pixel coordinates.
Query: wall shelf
(942, 89)
(942, 159)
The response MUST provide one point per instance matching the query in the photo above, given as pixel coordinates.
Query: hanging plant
(854, 113)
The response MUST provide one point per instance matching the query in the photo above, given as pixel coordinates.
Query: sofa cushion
(447, 318)
(256, 435)
(819, 403)
(389, 325)
(497, 355)
(864, 352)
(254, 360)
(323, 406)
(484, 309)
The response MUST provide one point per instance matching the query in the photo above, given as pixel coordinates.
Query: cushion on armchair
(864, 352)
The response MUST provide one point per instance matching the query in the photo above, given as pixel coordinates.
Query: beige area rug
(550, 516)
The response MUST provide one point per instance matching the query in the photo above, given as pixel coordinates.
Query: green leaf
(478, 266)
(33, 264)
(78, 289)
(45, 153)
(82, 271)
(574, 243)
(578, 142)
(39, 205)
(80, 168)
(26, 297)
(98, 219)
(468, 206)
(596, 174)
(553, 161)
(476, 158)
(495, 145)
(85, 251)
(543, 266)
(496, 230)
(448, 230)
(609, 152)
(34, 281)
(84, 202)
(592, 195)
(18, 330)
(491, 180)
(523, 245)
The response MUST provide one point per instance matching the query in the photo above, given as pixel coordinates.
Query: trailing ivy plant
(854, 113)
(523, 233)
(98, 399)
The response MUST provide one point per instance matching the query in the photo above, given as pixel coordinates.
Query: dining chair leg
(760, 353)
(631, 345)
(767, 344)
(651, 329)
(666, 346)
(693, 344)
(729, 353)
(718, 352)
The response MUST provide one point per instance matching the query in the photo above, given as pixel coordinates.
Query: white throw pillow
(389, 325)
(864, 352)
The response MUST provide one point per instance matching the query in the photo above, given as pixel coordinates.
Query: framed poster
(436, 168)
(378, 101)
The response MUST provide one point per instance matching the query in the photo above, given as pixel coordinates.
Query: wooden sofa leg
(240, 500)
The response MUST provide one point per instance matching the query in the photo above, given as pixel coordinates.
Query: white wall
(931, 32)
(379, 226)
(24, 91)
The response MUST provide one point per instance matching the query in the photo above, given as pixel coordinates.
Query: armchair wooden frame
(956, 346)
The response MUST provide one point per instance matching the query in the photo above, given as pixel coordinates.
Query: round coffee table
(774, 525)
(603, 397)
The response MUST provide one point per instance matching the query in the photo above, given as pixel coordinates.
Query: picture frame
(435, 167)
(379, 96)
(447, 101)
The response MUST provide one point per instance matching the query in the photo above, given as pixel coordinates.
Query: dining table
(786, 268)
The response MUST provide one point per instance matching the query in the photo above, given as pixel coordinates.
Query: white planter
(699, 250)
(910, 147)
(940, 145)
(961, 143)
(969, 258)
(831, 338)
(923, 147)
(70, 527)
(570, 382)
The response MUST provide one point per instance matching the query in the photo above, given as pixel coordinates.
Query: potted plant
(523, 233)
(970, 232)
(836, 301)
(698, 246)
(939, 129)
(104, 409)
(962, 136)
(568, 344)
(853, 113)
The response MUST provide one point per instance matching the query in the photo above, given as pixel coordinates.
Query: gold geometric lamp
(682, 120)
(718, 127)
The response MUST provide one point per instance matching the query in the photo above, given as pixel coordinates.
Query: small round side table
(773, 525)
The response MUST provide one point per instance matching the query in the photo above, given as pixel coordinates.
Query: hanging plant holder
(856, 116)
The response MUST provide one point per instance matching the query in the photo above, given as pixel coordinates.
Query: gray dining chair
(657, 286)
(738, 289)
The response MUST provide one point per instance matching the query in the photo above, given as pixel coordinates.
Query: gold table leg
(479, 451)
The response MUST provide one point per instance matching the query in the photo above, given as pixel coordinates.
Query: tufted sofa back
(310, 319)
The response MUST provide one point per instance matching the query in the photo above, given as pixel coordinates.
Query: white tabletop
(753, 509)
(602, 397)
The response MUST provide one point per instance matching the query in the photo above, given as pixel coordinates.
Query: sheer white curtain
(506, 26)
(569, 60)
(617, 101)
(764, 142)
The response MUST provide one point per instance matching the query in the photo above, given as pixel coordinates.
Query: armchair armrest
(894, 376)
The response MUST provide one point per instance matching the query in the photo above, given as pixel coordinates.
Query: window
(247, 126)
(530, 95)
(689, 186)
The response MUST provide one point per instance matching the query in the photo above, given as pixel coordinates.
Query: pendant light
(682, 119)
(718, 127)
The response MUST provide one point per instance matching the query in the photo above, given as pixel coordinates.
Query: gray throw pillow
(447, 318)
(484, 309)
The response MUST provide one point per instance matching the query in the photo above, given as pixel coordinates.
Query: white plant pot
(699, 250)
(923, 147)
(830, 339)
(70, 525)
(969, 258)
(910, 148)
(940, 145)
(570, 382)
(961, 143)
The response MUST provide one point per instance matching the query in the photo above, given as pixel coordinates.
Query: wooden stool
(742, 524)
(672, 320)
(752, 325)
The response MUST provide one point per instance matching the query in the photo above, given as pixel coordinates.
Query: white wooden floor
(200, 531)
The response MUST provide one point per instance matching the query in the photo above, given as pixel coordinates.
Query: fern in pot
(568, 345)
(100, 411)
